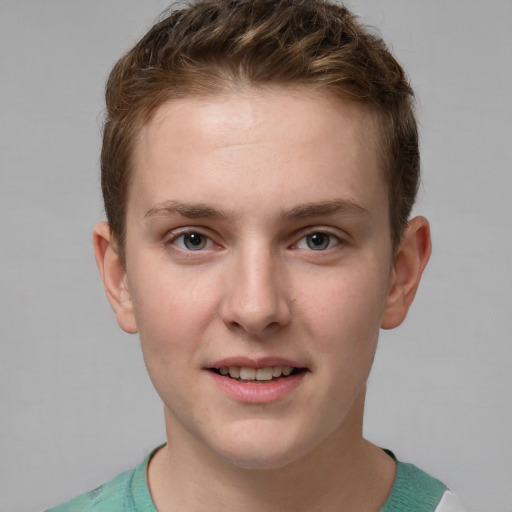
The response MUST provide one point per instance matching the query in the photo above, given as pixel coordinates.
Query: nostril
(255, 330)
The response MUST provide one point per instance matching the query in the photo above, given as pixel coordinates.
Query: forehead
(259, 106)
(256, 141)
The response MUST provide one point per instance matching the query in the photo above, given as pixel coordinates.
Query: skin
(254, 175)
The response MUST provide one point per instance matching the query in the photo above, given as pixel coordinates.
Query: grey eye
(318, 241)
(194, 241)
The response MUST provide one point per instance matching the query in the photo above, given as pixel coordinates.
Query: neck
(344, 473)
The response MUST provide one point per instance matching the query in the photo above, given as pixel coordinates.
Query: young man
(259, 165)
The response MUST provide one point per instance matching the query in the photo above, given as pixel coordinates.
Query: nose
(255, 299)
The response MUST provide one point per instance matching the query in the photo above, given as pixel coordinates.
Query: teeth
(234, 372)
(247, 373)
(263, 374)
(277, 371)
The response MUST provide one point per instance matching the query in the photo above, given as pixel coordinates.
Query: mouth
(257, 375)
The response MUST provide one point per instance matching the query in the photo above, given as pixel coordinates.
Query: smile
(266, 374)
(257, 381)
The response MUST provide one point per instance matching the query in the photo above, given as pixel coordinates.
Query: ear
(411, 258)
(113, 275)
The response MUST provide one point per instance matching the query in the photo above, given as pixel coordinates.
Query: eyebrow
(324, 209)
(302, 211)
(189, 210)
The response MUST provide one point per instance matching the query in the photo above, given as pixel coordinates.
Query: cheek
(344, 316)
(172, 310)
(168, 329)
(168, 296)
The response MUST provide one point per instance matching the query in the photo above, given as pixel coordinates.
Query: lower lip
(257, 393)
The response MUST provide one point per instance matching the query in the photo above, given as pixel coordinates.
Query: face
(258, 270)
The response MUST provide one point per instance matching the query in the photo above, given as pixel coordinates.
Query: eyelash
(189, 233)
(332, 241)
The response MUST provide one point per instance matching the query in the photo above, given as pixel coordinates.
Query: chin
(250, 450)
(262, 461)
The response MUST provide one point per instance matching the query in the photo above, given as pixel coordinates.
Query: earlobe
(411, 259)
(113, 275)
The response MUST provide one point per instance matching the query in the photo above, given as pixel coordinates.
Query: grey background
(77, 406)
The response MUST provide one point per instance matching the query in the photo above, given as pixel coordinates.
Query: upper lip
(260, 362)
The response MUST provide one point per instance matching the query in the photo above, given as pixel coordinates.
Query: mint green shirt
(413, 491)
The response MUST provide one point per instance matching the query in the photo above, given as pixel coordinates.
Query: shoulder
(416, 491)
(426, 491)
(450, 503)
(109, 497)
(127, 492)
(413, 490)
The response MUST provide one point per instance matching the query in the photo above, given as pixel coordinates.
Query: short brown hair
(209, 44)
